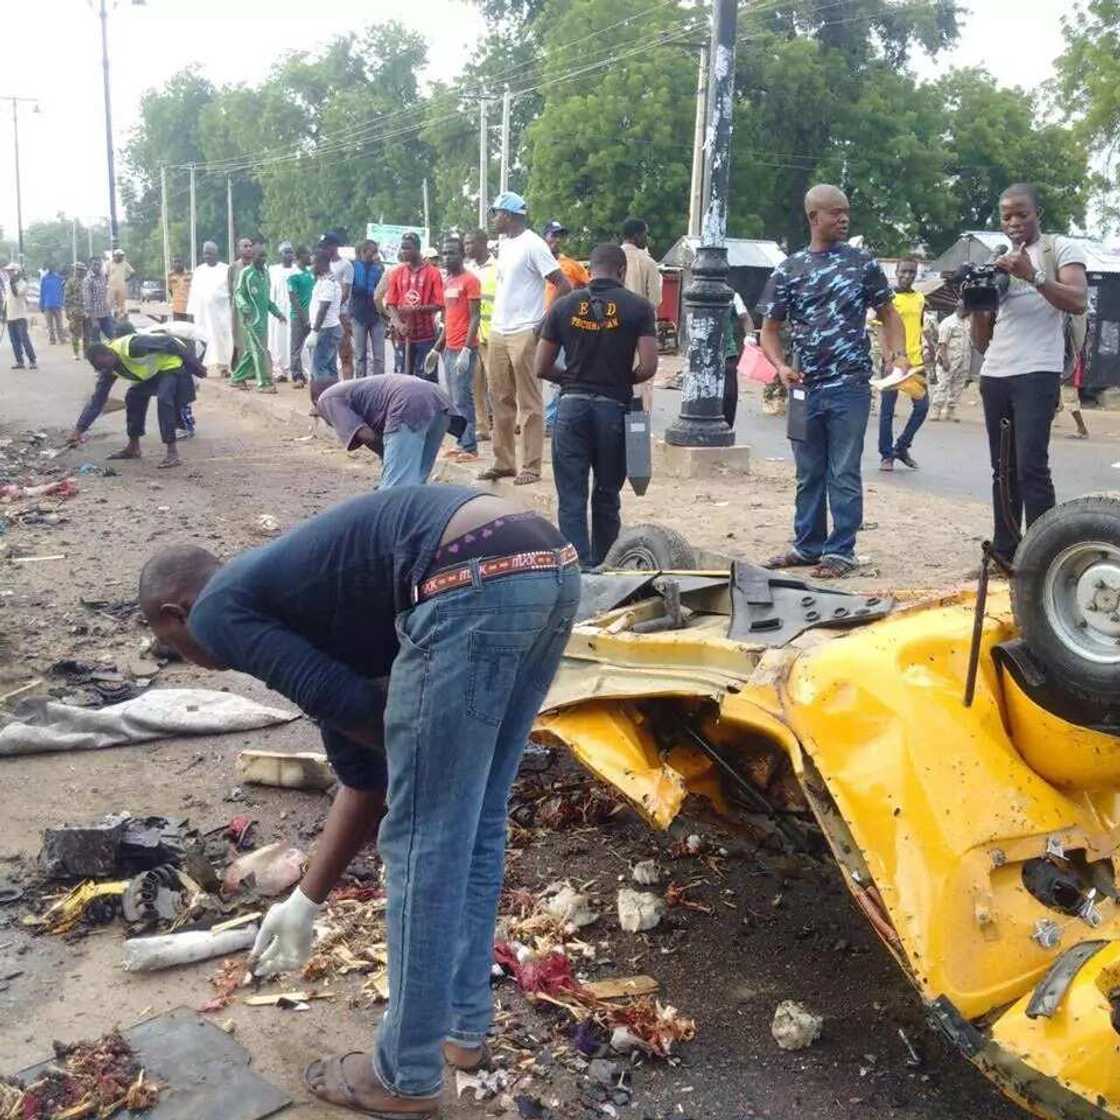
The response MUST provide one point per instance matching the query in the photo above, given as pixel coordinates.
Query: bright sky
(55, 56)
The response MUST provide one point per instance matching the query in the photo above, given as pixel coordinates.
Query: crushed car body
(979, 841)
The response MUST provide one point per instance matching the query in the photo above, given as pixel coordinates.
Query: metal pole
(507, 103)
(229, 214)
(696, 192)
(483, 164)
(163, 223)
(427, 219)
(194, 231)
(113, 230)
(74, 239)
(707, 298)
(89, 234)
(19, 195)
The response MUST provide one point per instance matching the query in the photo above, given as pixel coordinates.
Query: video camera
(982, 285)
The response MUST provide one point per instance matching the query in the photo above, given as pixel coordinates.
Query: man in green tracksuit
(254, 306)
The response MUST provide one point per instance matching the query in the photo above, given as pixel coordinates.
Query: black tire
(1066, 596)
(651, 548)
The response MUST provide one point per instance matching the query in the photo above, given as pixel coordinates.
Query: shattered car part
(152, 897)
(772, 610)
(1048, 995)
(113, 845)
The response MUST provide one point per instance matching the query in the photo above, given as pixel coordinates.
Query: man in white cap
(525, 267)
(279, 330)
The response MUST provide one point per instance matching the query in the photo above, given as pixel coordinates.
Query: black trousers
(730, 390)
(173, 389)
(589, 438)
(1029, 401)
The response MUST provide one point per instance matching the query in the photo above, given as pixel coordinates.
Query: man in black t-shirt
(600, 328)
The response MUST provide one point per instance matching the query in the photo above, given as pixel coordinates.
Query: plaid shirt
(95, 296)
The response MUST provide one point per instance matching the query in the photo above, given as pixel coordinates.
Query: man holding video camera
(1024, 342)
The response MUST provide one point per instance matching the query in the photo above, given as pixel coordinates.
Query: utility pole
(427, 219)
(89, 235)
(229, 214)
(483, 164)
(507, 103)
(194, 229)
(113, 229)
(696, 192)
(163, 223)
(15, 101)
(707, 298)
(74, 239)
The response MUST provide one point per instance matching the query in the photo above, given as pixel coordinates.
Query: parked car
(152, 291)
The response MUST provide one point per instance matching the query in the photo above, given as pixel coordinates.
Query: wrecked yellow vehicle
(980, 841)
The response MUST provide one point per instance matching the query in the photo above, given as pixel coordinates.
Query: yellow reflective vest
(143, 367)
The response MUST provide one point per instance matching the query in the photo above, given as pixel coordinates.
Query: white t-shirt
(523, 263)
(326, 290)
(343, 271)
(1029, 335)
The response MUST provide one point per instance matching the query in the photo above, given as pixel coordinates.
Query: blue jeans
(461, 386)
(369, 346)
(473, 669)
(324, 361)
(589, 437)
(888, 449)
(21, 341)
(410, 453)
(416, 355)
(828, 472)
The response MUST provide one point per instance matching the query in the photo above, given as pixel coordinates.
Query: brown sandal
(832, 568)
(790, 559)
(484, 1060)
(335, 1065)
(527, 478)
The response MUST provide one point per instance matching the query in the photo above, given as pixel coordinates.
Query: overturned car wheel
(651, 548)
(1066, 596)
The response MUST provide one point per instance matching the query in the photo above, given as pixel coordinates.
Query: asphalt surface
(952, 457)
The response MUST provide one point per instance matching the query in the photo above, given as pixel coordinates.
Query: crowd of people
(410, 621)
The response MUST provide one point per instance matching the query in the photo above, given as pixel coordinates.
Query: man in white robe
(279, 330)
(209, 307)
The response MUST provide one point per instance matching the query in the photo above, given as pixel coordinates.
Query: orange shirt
(458, 291)
(178, 291)
(577, 275)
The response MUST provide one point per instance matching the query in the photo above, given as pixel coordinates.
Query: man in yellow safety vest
(154, 365)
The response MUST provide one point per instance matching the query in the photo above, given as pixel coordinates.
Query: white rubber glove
(287, 932)
(431, 362)
(312, 340)
(463, 362)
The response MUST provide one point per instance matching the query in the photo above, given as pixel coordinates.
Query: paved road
(953, 458)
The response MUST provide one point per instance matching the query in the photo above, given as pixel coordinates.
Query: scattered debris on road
(795, 1027)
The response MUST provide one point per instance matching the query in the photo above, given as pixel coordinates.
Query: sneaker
(19, 365)
(907, 458)
(886, 464)
(33, 366)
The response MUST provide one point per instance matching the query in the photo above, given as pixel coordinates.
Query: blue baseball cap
(554, 226)
(511, 203)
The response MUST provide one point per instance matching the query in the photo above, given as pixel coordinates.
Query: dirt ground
(778, 928)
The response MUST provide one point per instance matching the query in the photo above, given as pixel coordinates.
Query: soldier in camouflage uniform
(73, 308)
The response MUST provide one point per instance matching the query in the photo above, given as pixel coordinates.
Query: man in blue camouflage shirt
(823, 294)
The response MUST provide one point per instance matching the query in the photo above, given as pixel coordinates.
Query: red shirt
(458, 291)
(420, 287)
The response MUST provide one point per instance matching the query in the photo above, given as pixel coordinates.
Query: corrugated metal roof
(741, 253)
(979, 245)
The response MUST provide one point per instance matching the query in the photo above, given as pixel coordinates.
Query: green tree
(1087, 91)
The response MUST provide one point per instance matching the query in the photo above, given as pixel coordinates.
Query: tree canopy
(602, 123)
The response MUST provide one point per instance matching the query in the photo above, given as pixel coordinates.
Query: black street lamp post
(708, 297)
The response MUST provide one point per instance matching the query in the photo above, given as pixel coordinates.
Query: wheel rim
(639, 559)
(1081, 600)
